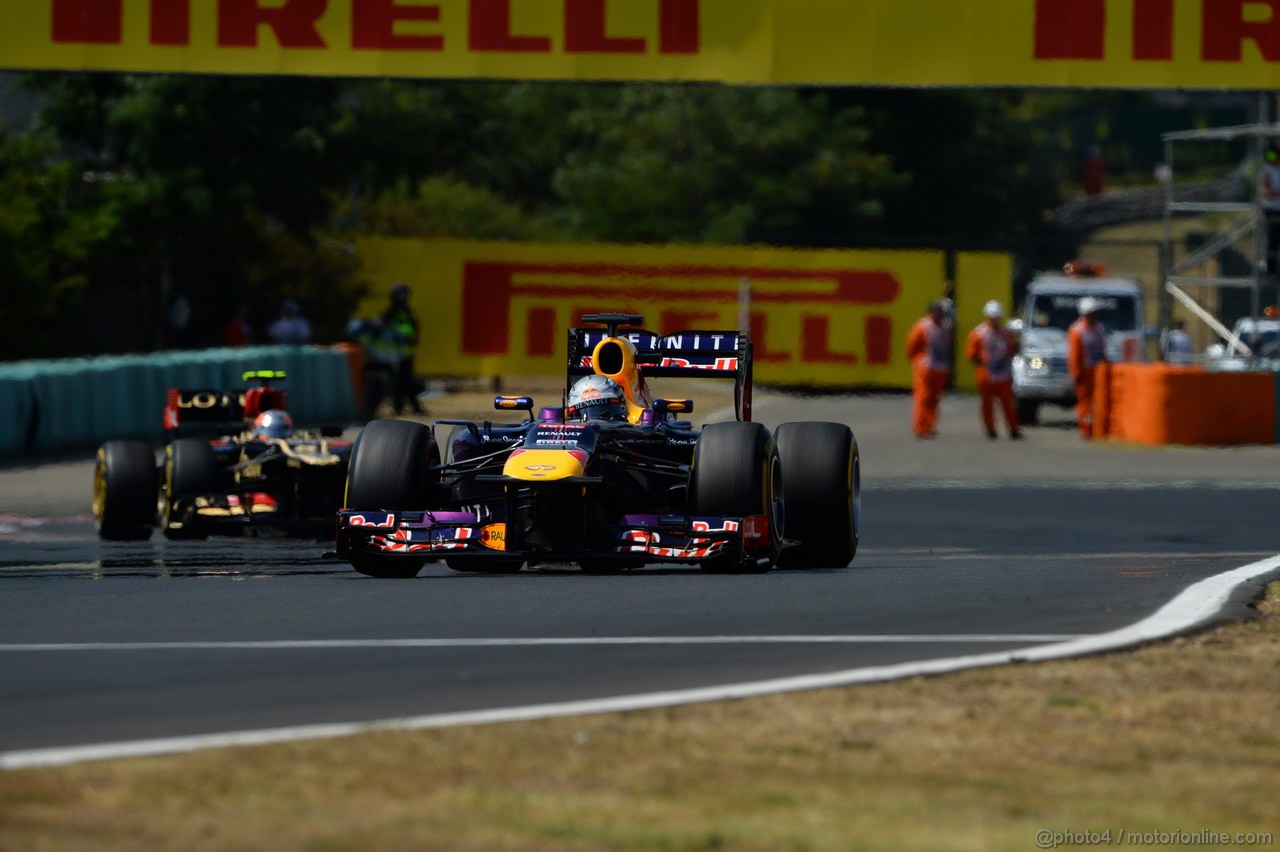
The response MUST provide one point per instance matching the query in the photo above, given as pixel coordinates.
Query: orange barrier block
(1163, 404)
(355, 364)
(1103, 399)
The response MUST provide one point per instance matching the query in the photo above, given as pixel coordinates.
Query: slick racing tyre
(391, 470)
(190, 471)
(822, 487)
(736, 473)
(125, 491)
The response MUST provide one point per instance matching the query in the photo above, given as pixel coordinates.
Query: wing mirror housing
(673, 406)
(514, 403)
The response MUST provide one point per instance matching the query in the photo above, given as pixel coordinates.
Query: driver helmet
(596, 398)
(1088, 305)
(273, 424)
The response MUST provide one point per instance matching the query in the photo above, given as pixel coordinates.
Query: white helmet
(993, 310)
(596, 398)
(1088, 305)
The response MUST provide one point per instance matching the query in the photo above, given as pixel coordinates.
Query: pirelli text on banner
(1116, 43)
(814, 317)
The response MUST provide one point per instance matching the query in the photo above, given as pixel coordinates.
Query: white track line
(1194, 606)
(331, 644)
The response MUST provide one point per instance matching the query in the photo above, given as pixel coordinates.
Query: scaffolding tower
(1248, 222)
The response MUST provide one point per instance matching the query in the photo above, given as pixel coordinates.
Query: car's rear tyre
(736, 473)
(391, 467)
(1028, 412)
(822, 487)
(125, 491)
(391, 471)
(190, 470)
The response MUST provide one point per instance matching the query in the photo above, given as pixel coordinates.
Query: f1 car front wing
(638, 538)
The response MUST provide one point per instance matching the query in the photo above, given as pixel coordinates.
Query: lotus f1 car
(607, 494)
(263, 475)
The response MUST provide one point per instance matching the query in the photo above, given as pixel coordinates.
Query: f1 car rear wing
(695, 354)
(210, 408)
(206, 408)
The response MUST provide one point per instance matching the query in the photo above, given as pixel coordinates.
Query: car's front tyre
(125, 491)
(190, 471)
(390, 471)
(736, 473)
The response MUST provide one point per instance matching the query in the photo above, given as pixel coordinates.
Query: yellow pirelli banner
(1112, 43)
(826, 318)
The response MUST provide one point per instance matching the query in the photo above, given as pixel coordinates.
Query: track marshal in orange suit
(991, 347)
(1086, 349)
(929, 346)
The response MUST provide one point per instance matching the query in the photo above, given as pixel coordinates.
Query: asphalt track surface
(968, 547)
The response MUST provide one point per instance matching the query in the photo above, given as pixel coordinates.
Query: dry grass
(1177, 736)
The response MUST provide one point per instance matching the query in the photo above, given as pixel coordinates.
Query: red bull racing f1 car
(261, 474)
(613, 478)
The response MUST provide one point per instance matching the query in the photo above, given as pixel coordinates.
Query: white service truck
(1040, 373)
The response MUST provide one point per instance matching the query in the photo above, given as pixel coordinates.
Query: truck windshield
(1058, 310)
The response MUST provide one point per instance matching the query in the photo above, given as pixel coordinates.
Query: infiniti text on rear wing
(697, 354)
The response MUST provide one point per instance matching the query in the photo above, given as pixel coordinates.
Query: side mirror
(673, 406)
(514, 403)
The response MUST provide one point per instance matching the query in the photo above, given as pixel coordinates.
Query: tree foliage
(200, 184)
(710, 164)
(47, 242)
(136, 191)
